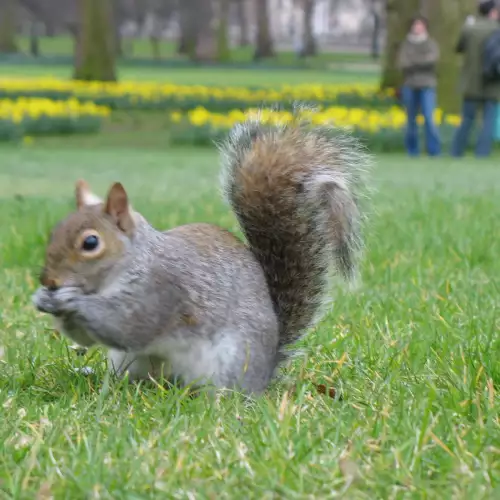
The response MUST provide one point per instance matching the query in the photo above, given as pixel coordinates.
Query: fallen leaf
(322, 389)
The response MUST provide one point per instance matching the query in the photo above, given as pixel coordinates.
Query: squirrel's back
(296, 191)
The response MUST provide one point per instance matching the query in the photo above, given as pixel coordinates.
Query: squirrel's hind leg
(138, 367)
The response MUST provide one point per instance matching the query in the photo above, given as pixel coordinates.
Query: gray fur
(197, 304)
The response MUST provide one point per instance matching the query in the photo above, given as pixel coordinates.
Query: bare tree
(8, 26)
(34, 38)
(154, 38)
(38, 15)
(264, 43)
(118, 16)
(159, 12)
(196, 19)
(140, 10)
(243, 18)
(204, 29)
(375, 8)
(223, 48)
(95, 50)
(187, 35)
(37, 10)
(201, 25)
(309, 47)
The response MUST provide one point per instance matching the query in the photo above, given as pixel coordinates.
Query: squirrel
(195, 302)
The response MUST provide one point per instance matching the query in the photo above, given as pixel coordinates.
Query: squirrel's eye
(90, 243)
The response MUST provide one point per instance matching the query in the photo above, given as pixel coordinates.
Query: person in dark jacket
(418, 57)
(477, 94)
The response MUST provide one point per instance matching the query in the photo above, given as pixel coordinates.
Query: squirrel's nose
(48, 282)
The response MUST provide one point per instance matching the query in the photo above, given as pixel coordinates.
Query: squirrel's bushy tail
(296, 191)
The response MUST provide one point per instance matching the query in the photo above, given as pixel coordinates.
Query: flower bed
(167, 96)
(37, 116)
(201, 114)
(379, 130)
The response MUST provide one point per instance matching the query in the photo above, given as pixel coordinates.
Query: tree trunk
(34, 39)
(39, 14)
(446, 20)
(309, 47)
(377, 24)
(50, 29)
(155, 38)
(155, 46)
(242, 6)
(399, 14)
(8, 26)
(206, 42)
(223, 48)
(264, 43)
(140, 12)
(127, 47)
(117, 22)
(118, 43)
(184, 25)
(73, 29)
(190, 25)
(95, 54)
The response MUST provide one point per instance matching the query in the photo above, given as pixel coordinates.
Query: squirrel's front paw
(43, 300)
(56, 302)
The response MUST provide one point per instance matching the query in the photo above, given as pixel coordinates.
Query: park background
(138, 91)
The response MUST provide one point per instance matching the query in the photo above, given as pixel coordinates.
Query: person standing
(418, 56)
(477, 94)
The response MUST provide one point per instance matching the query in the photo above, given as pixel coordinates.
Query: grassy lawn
(141, 48)
(414, 351)
(203, 75)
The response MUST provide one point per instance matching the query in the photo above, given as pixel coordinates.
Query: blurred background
(199, 29)
(348, 49)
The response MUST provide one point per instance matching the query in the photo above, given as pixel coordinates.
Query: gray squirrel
(195, 303)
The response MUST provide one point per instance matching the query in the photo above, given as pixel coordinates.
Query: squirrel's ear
(85, 197)
(118, 207)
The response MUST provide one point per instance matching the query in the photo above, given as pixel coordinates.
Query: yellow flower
(35, 108)
(199, 116)
(153, 91)
(176, 116)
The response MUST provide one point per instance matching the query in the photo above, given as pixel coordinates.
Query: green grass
(141, 48)
(414, 351)
(202, 75)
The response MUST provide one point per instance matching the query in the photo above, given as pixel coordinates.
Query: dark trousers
(424, 100)
(486, 136)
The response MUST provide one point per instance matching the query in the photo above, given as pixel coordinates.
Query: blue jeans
(423, 100)
(486, 136)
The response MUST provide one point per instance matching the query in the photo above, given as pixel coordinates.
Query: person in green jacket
(477, 94)
(418, 56)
